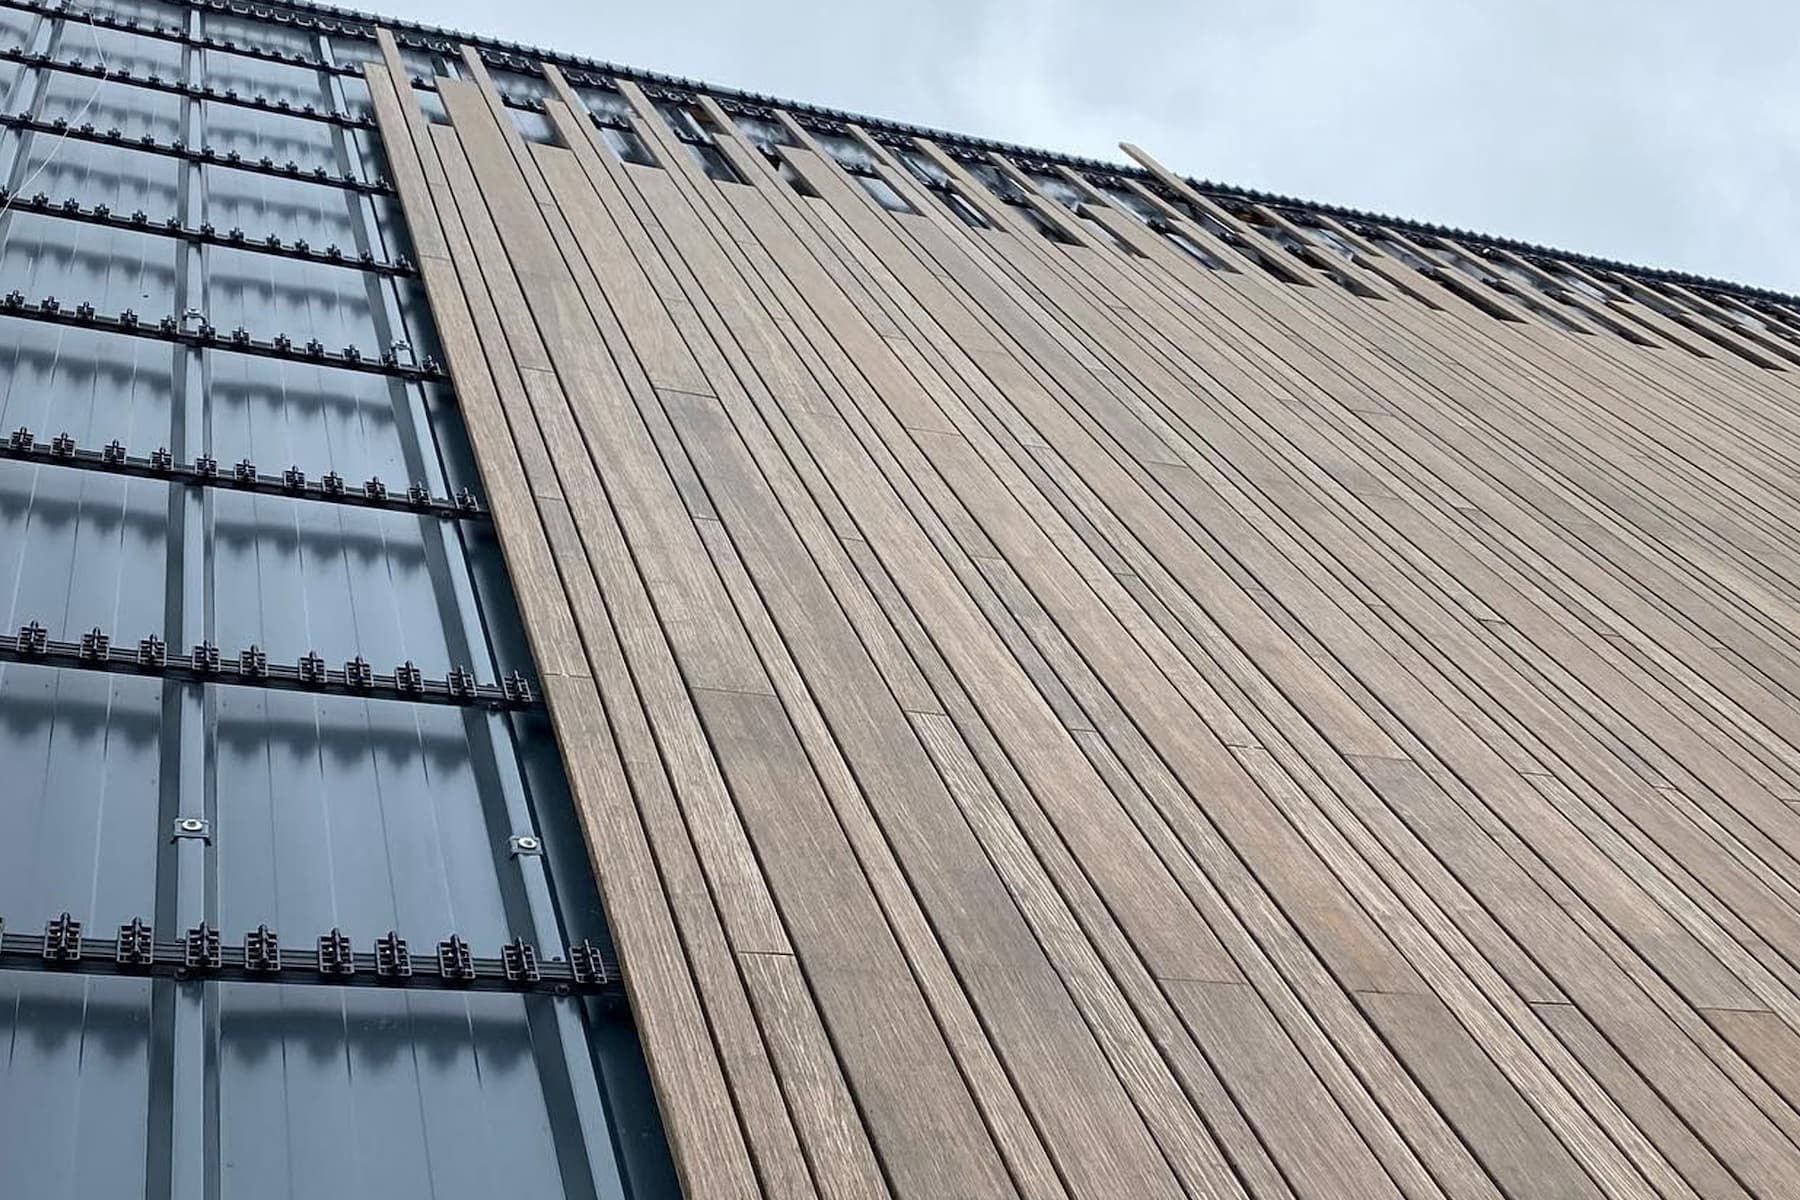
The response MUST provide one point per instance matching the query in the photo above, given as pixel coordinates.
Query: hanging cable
(105, 72)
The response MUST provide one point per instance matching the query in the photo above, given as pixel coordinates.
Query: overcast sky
(1662, 132)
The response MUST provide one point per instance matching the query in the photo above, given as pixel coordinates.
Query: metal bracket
(205, 155)
(23, 445)
(139, 221)
(153, 81)
(200, 955)
(524, 844)
(171, 33)
(197, 828)
(251, 667)
(207, 337)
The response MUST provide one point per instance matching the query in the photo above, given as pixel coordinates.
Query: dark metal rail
(22, 445)
(139, 221)
(204, 336)
(172, 33)
(200, 956)
(205, 155)
(251, 667)
(154, 81)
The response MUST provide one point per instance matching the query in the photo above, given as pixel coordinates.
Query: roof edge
(503, 47)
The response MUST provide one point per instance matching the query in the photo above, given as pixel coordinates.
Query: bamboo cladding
(1086, 693)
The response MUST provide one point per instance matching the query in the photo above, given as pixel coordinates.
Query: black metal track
(22, 445)
(141, 222)
(175, 87)
(204, 336)
(172, 33)
(205, 155)
(250, 667)
(200, 956)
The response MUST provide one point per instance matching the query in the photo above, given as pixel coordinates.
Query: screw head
(528, 843)
(192, 824)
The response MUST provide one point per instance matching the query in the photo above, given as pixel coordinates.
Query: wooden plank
(1509, 1138)
(824, 1109)
(1320, 1153)
(918, 1115)
(1697, 1164)
(1095, 724)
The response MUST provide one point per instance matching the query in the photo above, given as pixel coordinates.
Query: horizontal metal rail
(155, 82)
(250, 667)
(330, 961)
(22, 445)
(174, 33)
(205, 156)
(138, 221)
(204, 336)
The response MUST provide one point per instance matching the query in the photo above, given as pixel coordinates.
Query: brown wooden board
(1057, 717)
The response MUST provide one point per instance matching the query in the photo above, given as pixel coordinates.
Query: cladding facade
(1073, 682)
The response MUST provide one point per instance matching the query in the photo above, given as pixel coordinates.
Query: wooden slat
(1056, 719)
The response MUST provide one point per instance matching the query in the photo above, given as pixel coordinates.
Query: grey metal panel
(119, 50)
(360, 814)
(74, 1075)
(261, 204)
(255, 135)
(112, 269)
(341, 582)
(254, 76)
(301, 299)
(16, 27)
(136, 111)
(377, 1096)
(95, 386)
(82, 828)
(124, 180)
(318, 418)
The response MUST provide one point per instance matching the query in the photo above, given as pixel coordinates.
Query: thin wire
(67, 129)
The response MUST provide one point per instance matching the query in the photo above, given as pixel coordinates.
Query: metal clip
(519, 960)
(461, 683)
(586, 965)
(392, 959)
(201, 951)
(262, 950)
(152, 652)
(136, 947)
(62, 940)
(455, 962)
(335, 956)
(95, 645)
(34, 640)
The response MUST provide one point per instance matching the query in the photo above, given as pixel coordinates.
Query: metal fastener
(192, 827)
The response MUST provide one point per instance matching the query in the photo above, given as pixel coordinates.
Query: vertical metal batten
(193, 1131)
